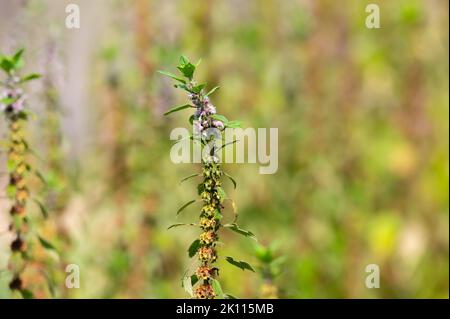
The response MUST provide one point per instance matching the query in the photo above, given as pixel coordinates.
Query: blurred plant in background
(270, 267)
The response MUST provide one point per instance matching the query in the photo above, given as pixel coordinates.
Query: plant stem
(18, 192)
(211, 212)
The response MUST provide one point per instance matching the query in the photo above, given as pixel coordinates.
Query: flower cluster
(205, 291)
(202, 116)
(17, 99)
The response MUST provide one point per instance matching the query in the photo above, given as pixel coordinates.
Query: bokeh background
(363, 143)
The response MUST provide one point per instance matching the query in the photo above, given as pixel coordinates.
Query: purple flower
(218, 124)
(18, 100)
(210, 109)
(197, 127)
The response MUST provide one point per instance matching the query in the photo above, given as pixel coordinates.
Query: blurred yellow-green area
(363, 148)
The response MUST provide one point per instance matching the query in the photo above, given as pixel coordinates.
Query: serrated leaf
(234, 227)
(185, 205)
(188, 177)
(173, 76)
(217, 288)
(187, 70)
(214, 89)
(193, 248)
(240, 264)
(178, 108)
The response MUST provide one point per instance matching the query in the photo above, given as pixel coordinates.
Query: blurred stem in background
(270, 267)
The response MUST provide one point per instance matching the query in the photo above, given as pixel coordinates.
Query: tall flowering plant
(13, 108)
(208, 127)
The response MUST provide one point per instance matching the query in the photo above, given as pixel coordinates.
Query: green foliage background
(363, 142)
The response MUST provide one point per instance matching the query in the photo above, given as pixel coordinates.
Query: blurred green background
(363, 128)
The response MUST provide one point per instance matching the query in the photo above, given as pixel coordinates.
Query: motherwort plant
(13, 109)
(208, 127)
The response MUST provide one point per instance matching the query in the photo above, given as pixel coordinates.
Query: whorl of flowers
(207, 130)
(12, 106)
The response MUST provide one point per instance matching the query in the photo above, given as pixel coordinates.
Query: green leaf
(17, 59)
(41, 177)
(183, 60)
(231, 179)
(50, 284)
(26, 294)
(193, 248)
(188, 177)
(214, 89)
(185, 205)
(220, 118)
(234, 227)
(30, 77)
(7, 100)
(187, 70)
(180, 224)
(42, 208)
(221, 193)
(11, 165)
(229, 296)
(240, 264)
(200, 188)
(197, 89)
(46, 244)
(11, 191)
(6, 64)
(173, 76)
(178, 108)
(233, 124)
(217, 288)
